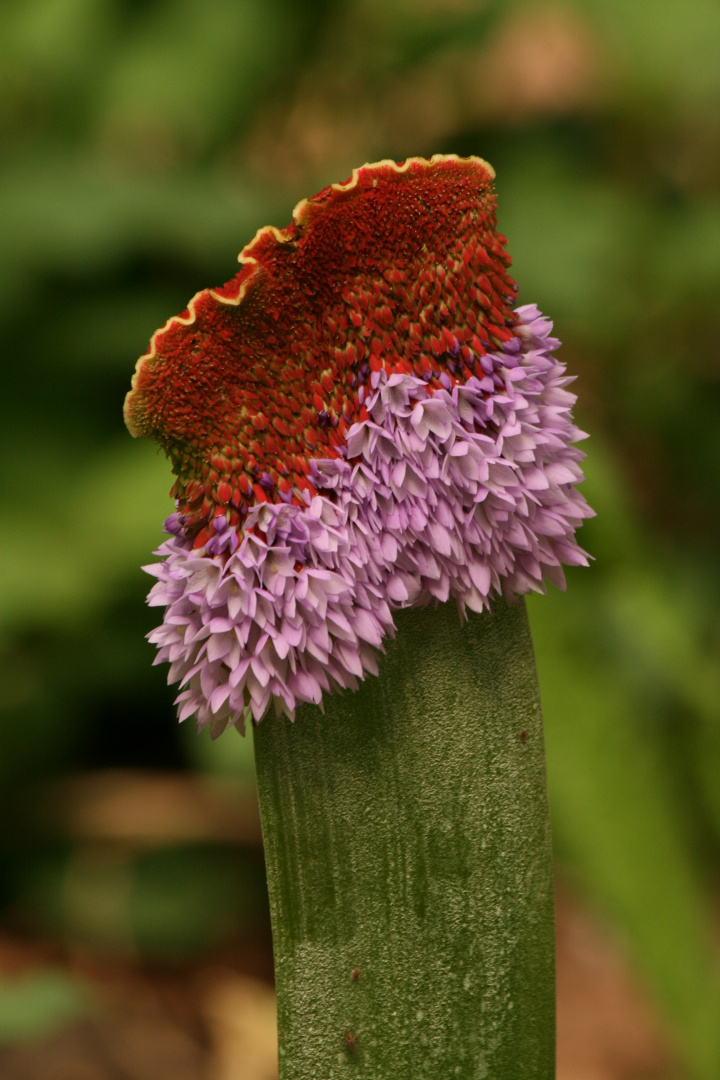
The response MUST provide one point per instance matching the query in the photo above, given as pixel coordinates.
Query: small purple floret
(174, 524)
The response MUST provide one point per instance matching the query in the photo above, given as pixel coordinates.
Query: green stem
(407, 842)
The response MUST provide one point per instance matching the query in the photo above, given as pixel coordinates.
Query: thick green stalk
(408, 856)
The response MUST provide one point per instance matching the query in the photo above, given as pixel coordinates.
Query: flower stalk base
(409, 865)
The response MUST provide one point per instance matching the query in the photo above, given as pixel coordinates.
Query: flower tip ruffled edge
(234, 292)
(384, 168)
(132, 412)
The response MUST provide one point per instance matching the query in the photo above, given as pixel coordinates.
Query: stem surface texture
(408, 854)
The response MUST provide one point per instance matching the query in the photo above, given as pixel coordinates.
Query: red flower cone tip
(359, 421)
(392, 270)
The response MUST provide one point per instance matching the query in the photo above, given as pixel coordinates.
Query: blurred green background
(143, 143)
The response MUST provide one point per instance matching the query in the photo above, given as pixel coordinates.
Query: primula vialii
(361, 420)
(364, 421)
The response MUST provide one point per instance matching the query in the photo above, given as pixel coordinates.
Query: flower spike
(361, 420)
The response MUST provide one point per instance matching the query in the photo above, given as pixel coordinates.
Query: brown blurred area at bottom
(607, 1028)
(211, 1022)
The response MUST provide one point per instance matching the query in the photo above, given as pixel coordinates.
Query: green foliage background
(143, 143)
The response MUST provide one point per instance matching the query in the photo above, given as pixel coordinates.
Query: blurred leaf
(191, 900)
(57, 36)
(577, 244)
(232, 756)
(51, 54)
(616, 806)
(104, 523)
(614, 810)
(58, 214)
(647, 50)
(189, 74)
(167, 903)
(37, 1004)
(401, 33)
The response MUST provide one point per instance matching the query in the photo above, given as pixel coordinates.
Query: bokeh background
(143, 143)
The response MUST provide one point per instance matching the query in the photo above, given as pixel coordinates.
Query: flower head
(361, 420)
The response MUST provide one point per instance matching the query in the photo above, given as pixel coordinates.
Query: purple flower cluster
(467, 491)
